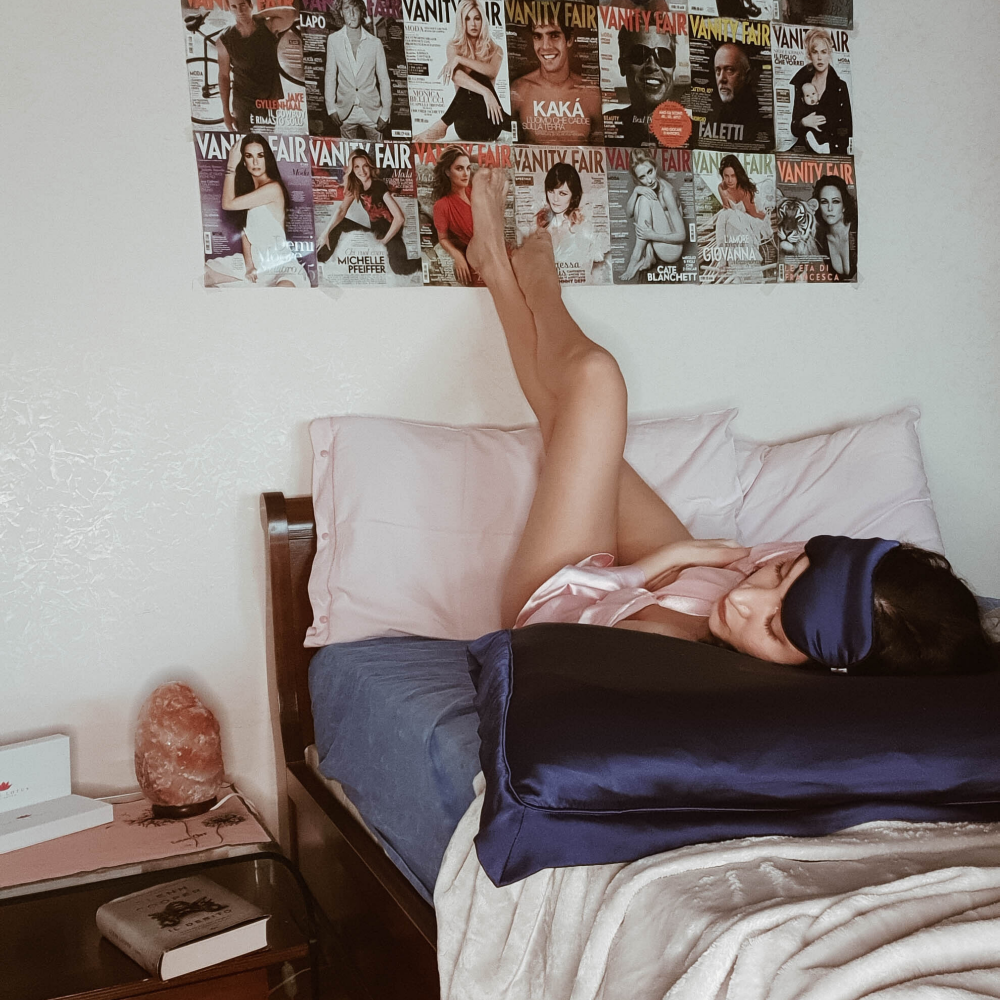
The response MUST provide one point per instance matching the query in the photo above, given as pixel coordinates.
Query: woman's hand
(449, 68)
(252, 275)
(235, 155)
(814, 120)
(645, 192)
(665, 564)
(462, 270)
(644, 231)
(493, 110)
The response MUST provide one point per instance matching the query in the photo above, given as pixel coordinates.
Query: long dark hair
(927, 621)
(559, 174)
(243, 182)
(742, 179)
(442, 182)
(850, 205)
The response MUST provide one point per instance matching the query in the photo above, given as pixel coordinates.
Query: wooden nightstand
(50, 946)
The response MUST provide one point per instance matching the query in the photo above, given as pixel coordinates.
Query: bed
(382, 912)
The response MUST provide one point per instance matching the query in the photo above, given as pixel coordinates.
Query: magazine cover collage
(658, 141)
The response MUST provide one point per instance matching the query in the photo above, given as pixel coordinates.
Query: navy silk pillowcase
(605, 745)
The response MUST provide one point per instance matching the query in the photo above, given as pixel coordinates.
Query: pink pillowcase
(865, 480)
(416, 523)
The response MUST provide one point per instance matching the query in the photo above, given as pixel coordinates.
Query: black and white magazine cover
(645, 76)
(653, 228)
(355, 69)
(244, 62)
(822, 13)
(456, 53)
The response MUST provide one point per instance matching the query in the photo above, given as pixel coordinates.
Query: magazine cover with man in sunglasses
(646, 66)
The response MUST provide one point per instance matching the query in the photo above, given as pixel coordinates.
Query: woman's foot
(535, 269)
(487, 249)
(432, 133)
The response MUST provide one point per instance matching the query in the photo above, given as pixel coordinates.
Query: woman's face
(645, 174)
(831, 205)
(819, 55)
(559, 198)
(473, 23)
(362, 170)
(749, 616)
(253, 159)
(729, 178)
(458, 173)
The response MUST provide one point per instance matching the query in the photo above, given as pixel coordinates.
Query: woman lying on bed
(864, 605)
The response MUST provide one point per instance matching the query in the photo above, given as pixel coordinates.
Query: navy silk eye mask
(604, 745)
(828, 611)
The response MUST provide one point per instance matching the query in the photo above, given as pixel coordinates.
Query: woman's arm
(248, 258)
(665, 564)
(637, 192)
(751, 206)
(724, 198)
(462, 270)
(489, 68)
(397, 218)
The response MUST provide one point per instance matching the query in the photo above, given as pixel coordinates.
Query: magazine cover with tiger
(742, 10)
(555, 72)
(355, 69)
(564, 189)
(445, 173)
(645, 76)
(244, 63)
(817, 219)
(256, 209)
(818, 13)
(731, 84)
(456, 53)
(653, 229)
(734, 196)
(812, 90)
(365, 212)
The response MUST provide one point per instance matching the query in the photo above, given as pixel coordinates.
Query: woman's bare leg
(588, 499)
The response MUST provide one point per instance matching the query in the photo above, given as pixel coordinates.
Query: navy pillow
(605, 745)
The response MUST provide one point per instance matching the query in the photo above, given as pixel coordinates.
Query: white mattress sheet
(887, 910)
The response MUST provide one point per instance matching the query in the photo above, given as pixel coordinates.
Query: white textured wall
(142, 415)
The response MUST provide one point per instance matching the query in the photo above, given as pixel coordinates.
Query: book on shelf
(182, 926)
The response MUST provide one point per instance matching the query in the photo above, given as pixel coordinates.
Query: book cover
(184, 925)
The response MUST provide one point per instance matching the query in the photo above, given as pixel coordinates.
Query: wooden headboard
(291, 544)
(386, 927)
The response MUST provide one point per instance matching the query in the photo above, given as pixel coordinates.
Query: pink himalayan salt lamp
(178, 752)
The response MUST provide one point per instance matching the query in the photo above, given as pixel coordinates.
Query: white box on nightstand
(36, 803)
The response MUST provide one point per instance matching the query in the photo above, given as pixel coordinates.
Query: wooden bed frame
(386, 927)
